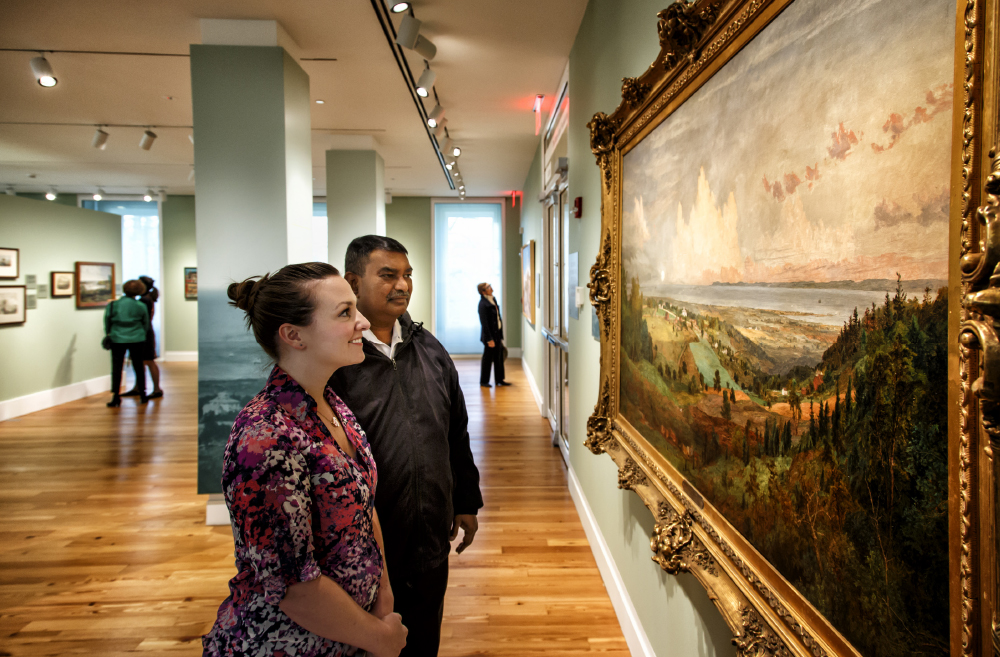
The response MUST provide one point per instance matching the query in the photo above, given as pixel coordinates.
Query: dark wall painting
(784, 307)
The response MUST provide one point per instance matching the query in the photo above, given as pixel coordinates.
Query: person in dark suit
(491, 337)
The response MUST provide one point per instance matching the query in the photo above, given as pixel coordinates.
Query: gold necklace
(332, 418)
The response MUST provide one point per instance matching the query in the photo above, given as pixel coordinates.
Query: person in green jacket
(126, 321)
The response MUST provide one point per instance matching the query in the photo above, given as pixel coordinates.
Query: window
(320, 233)
(468, 250)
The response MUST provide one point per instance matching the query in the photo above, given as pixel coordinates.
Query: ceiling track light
(450, 149)
(439, 131)
(399, 7)
(100, 140)
(148, 137)
(51, 194)
(426, 83)
(434, 118)
(99, 195)
(148, 196)
(410, 38)
(43, 71)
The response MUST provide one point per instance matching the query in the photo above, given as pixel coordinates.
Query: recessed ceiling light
(320, 102)
(399, 7)
(51, 194)
(99, 195)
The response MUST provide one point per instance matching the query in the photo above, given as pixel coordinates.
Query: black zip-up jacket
(413, 411)
(489, 319)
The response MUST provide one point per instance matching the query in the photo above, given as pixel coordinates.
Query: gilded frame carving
(766, 615)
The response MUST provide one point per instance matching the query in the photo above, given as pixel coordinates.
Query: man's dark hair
(359, 250)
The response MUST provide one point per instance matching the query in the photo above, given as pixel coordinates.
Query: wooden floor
(104, 550)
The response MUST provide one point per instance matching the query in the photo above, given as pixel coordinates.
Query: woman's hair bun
(242, 295)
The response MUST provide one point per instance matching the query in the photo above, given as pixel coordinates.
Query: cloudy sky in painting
(820, 152)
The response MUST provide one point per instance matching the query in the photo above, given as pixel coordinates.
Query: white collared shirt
(388, 349)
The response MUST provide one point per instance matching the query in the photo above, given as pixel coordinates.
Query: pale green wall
(512, 276)
(617, 39)
(59, 344)
(355, 199)
(408, 220)
(532, 342)
(180, 250)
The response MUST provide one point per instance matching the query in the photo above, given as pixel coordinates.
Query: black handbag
(106, 342)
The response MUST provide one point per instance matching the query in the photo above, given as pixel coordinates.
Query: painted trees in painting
(836, 471)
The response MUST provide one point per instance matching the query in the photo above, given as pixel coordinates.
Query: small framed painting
(63, 284)
(95, 284)
(10, 263)
(527, 281)
(190, 282)
(13, 302)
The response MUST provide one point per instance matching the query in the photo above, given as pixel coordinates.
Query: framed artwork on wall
(95, 284)
(13, 304)
(190, 282)
(794, 314)
(10, 263)
(63, 284)
(528, 281)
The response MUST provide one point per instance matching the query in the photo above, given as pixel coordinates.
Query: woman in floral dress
(299, 481)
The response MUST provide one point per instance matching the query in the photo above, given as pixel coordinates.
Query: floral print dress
(300, 507)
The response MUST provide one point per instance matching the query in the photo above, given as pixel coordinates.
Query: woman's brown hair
(284, 297)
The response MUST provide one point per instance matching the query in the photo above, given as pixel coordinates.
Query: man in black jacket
(491, 336)
(407, 398)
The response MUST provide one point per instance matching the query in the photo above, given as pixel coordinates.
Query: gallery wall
(58, 345)
(617, 39)
(180, 250)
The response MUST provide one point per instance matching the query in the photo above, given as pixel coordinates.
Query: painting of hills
(784, 273)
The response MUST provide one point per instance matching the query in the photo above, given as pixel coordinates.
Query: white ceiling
(492, 59)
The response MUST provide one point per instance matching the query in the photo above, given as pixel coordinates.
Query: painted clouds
(791, 186)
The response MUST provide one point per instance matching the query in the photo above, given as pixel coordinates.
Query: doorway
(555, 325)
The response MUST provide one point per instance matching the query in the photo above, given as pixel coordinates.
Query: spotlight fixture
(409, 37)
(51, 194)
(43, 71)
(425, 83)
(399, 7)
(439, 131)
(148, 137)
(450, 149)
(99, 195)
(148, 196)
(100, 139)
(449, 166)
(435, 116)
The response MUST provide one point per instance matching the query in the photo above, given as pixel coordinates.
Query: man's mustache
(398, 295)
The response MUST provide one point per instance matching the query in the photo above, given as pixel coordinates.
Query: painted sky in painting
(820, 152)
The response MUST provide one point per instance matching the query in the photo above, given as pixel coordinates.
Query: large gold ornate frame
(767, 616)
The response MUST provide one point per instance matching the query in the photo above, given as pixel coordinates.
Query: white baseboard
(216, 512)
(536, 393)
(180, 356)
(38, 401)
(628, 619)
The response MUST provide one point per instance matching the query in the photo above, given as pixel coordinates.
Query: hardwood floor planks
(104, 550)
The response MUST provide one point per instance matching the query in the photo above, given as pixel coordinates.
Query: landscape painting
(95, 284)
(783, 293)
